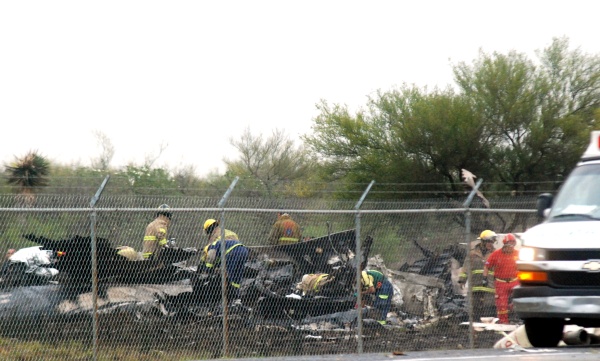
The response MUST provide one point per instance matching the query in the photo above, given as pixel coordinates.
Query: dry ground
(247, 338)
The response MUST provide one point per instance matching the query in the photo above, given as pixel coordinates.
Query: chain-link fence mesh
(172, 306)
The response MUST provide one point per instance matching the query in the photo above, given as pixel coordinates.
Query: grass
(14, 349)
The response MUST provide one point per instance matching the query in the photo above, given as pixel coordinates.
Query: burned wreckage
(269, 292)
(271, 274)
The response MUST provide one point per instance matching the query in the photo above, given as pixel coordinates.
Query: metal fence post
(359, 322)
(466, 205)
(223, 265)
(93, 202)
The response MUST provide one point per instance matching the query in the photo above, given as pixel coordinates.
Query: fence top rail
(275, 210)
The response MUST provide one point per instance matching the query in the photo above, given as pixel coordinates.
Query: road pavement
(528, 354)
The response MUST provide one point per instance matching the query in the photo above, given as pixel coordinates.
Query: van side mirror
(544, 201)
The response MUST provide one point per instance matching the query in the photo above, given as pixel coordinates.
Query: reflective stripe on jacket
(313, 283)
(477, 262)
(285, 230)
(216, 235)
(216, 247)
(155, 236)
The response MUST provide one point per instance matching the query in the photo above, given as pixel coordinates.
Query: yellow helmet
(209, 222)
(487, 235)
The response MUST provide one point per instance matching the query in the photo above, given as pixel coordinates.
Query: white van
(559, 263)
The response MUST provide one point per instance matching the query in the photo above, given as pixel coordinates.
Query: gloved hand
(484, 283)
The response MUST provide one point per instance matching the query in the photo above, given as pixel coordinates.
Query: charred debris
(424, 290)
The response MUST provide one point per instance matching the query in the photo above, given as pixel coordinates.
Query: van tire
(544, 332)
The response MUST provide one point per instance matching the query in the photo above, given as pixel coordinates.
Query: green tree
(406, 135)
(186, 180)
(439, 132)
(28, 173)
(353, 149)
(539, 116)
(511, 120)
(147, 180)
(267, 164)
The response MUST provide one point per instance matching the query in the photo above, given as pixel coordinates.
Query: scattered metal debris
(424, 292)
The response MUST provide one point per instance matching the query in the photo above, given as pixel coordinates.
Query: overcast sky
(193, 74)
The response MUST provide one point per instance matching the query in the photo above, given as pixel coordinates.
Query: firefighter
(483, 295)
(285, 230)
(213, 231)
(374, 282)
(155, 237)
(236, 255)
(503, 262)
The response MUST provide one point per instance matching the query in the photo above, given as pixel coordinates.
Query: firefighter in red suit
(503, 262)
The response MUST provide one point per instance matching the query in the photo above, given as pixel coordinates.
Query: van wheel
(544, 332)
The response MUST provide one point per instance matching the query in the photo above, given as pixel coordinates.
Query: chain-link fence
(75, 287)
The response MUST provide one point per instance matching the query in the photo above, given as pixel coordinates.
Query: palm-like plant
(28, 173)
